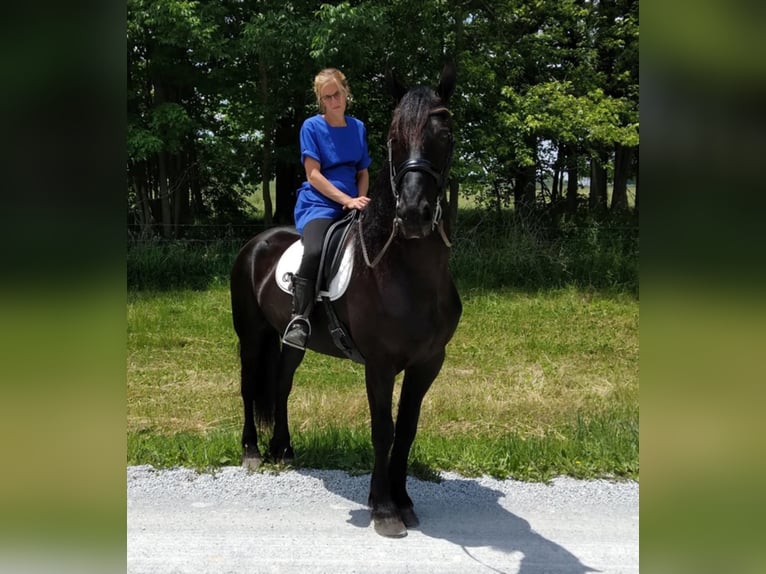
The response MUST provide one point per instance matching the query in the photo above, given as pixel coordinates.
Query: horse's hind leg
(251, 456)
(254, 354)
(280, 448)
(417, 381)
(258, 349)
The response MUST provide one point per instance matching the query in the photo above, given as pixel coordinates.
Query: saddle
(335, 266)
(333, 253)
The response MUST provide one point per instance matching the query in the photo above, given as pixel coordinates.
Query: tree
(278, 42)
(559, 96)
(217, 91)
(173, 47)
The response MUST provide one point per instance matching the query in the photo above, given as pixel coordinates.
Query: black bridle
(396, 175)
(418, 164)
(424, 166)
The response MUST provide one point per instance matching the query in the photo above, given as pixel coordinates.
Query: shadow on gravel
(468, 515)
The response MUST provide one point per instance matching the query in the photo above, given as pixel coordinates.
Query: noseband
(397, 174)
(419, 164)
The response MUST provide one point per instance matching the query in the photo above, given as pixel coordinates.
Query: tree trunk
(266, 184)
(572, 183)
(167, 211)
(555, 186)
(622, 165)
(180, 194)
(638, 171)
(140, 181)
(288, 182)
(266, 167)
(289, 172)
(454, 189)
(454, 185)
(597, 200)
(197, 206)
(524, 190)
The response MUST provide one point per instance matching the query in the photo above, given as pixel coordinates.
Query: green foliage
(178, 264)
(220, 88)
(172, 123)
(489, 251)
(496, 251)
(170, 22)
(544, 75)
(551, 110)
(142, 143)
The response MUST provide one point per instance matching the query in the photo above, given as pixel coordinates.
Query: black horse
(401, 306)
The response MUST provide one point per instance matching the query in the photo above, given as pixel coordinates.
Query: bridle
(396, 174)
(422, 165)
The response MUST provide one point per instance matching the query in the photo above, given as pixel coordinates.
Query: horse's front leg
(280, 448)
(417, 381)
(385, 514)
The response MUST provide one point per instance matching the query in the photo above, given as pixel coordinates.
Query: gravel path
(317, 521)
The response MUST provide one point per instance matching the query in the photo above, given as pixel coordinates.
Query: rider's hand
(357, 203)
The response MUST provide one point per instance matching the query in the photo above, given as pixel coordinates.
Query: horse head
(420, 146)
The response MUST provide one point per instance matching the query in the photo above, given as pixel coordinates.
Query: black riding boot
(298, 329)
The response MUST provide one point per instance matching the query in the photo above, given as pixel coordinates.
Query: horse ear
(447, 81)
(395, 88)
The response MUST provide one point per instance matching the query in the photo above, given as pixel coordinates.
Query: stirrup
(297, 332)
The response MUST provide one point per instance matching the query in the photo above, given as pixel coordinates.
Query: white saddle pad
(291, 260)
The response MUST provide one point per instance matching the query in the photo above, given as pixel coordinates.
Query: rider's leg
(304, 284)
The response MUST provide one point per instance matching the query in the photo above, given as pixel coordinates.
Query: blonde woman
(335, 156)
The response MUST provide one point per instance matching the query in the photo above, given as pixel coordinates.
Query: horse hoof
(288, 456)
(285, 457)
(390, 527)
(409, 517)
(251, 462)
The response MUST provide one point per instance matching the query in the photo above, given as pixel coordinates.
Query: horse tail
(265, 394)
(258, 376)
(258, 343)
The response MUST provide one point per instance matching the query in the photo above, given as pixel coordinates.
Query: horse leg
(417, 381)
(280, 448)
(385, 515)
(249, 355)
(258, 347)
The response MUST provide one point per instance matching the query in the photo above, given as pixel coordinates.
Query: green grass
(599, 446)
(536, 384)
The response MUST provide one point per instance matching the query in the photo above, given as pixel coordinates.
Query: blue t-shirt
(341, 153)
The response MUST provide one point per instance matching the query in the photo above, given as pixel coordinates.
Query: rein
(395, 177)
(382, 251)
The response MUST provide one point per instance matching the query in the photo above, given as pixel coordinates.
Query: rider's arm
(322, 184)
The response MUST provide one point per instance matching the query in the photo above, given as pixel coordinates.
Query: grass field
(536, 384)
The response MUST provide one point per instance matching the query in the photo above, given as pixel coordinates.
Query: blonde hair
(326, 76)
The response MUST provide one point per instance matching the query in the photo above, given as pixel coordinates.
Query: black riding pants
(313, 235)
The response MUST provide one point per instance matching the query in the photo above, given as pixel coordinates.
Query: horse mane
(378, 215)
(411, 115)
